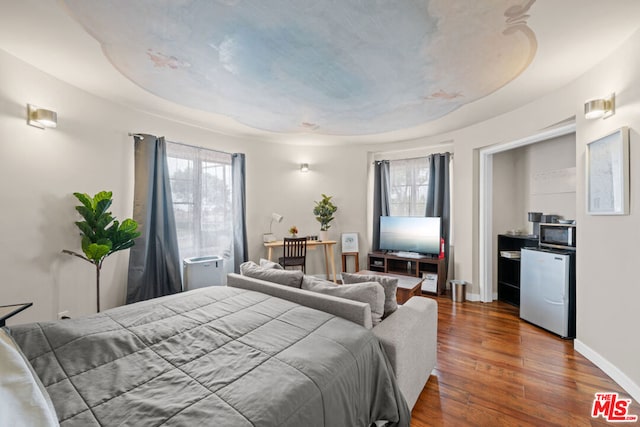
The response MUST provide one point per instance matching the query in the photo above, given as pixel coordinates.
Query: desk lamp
(269, 237)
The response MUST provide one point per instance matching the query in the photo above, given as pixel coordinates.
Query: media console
(388, 263)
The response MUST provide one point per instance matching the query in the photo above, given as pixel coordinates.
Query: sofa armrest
(409, 337)
(355, 311)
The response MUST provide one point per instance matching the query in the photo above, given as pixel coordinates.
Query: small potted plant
(323, 212)
(293, 231)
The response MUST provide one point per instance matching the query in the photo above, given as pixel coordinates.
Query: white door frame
(486, 201)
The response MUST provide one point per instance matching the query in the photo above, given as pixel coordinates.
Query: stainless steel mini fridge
(547, 290)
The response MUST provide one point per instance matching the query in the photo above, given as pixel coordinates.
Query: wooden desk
(328, 245)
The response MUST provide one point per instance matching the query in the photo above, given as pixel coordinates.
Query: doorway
(486, 231)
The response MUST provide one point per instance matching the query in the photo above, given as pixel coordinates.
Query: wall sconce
(270, 237)
(600, 108)
(41, 118)
(304, 167)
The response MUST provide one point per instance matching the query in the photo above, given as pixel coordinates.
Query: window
(201, 190)
(409, 183)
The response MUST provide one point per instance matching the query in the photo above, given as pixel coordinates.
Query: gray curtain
(438, 195)
(381, 207)
(154, 262)
(239, 211)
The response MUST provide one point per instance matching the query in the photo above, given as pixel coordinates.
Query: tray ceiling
(339, 68)
(303, 71)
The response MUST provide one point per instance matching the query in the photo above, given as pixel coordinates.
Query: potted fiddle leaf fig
(324, 211)
(101, 233)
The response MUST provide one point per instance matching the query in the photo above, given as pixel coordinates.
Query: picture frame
(349, 242)
(607, 174)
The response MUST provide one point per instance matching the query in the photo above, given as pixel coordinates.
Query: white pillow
(371, 292)
(23, 399)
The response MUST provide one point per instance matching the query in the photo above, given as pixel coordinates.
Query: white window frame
(200, 158)
(412, 168)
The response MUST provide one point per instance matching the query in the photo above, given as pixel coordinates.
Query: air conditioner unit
(203, 271)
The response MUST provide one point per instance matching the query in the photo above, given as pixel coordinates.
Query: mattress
(220, 356)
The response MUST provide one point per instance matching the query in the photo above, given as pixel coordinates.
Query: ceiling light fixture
(41, 118)
(304, 167)
(600, 108)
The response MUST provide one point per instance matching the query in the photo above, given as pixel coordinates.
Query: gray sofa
(409, 335)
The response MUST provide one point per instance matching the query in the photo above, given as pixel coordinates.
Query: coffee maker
(535, 218)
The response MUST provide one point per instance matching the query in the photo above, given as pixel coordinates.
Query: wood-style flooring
(494, 369)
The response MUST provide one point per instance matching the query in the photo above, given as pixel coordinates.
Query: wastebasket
(458, 290)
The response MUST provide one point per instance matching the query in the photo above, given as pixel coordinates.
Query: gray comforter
(215, 356)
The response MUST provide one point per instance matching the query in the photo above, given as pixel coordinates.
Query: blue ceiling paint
(351, 67)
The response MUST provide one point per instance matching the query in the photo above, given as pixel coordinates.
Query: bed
(218, 355)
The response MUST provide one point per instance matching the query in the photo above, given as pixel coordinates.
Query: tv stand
(401, 254)
(409, 266)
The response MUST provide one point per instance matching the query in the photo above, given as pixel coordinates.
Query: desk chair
(295, 253)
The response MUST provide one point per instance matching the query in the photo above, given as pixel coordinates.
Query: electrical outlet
(64, 315)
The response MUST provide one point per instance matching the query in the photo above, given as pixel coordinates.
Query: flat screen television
(414, 234)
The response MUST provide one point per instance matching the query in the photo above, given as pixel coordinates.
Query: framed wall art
(349, 242)
(607, 174)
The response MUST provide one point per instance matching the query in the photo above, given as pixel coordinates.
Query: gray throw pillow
(371, 293)
(265, 263)
(291, 278)
(390, 285)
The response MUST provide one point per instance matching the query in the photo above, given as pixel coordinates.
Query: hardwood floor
(495, 370)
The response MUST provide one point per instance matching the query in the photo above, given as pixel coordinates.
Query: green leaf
(101, 207)
(87, 213)
(85, 199)
(103, 195)
(129, 225)
(104, 242)
(96, 252)
(85, 242)
(86, 229)
(125, 245)
(103, 221)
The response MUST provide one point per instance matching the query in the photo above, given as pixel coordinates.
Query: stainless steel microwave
(560, 236)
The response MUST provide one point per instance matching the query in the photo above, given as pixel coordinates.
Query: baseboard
(609, 368)
(476, 297)
(472, 297)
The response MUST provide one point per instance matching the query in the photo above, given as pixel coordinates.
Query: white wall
(609, 292)
(508, 195)
(514, 193)
(91, 151)
(557, 196)
(275, 184)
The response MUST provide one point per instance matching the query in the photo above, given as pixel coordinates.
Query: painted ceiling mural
(351, 67)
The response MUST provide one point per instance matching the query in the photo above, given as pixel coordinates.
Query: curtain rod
(139, 135)
(413, 158)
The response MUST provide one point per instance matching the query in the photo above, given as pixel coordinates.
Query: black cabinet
(509, 266)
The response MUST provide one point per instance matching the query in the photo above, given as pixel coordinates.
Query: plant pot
(324, 235)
